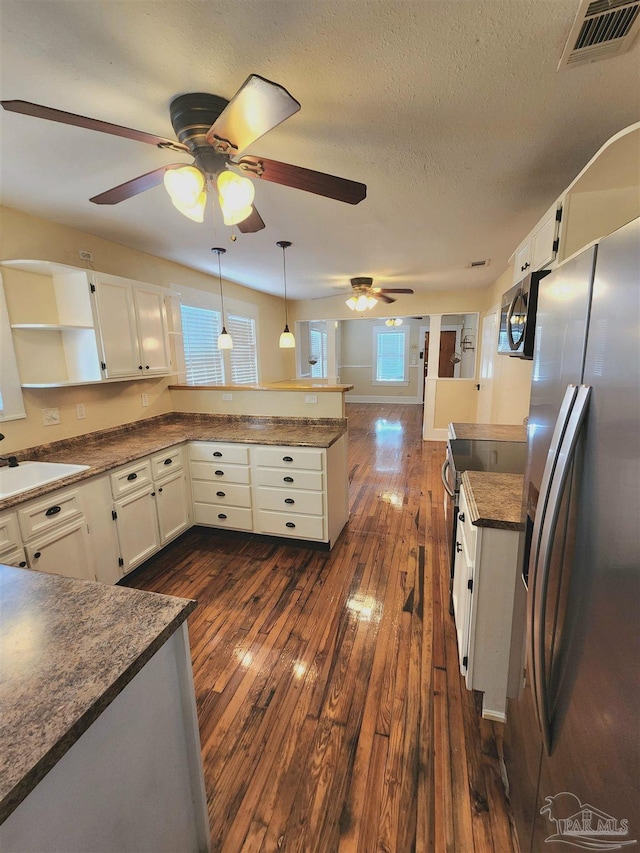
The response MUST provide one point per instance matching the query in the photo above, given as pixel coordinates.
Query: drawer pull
(221, 515)
(133, 476)
(461, 517)
(287, 479)
(458, 547)
(289, 501)
(217, 453)
(22, 564)
(167, 462)
(37, 554)
(221, 494)
(153, 494)
(287, 458)
(219, 473)
(53, 510)
(290, 524)
(160, 489)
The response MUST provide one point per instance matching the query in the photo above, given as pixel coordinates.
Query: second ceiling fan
(366, 295)
(215, 132)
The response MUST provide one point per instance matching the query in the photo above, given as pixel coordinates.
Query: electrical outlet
(311, 398)
(81, 412)
(145, 399)
(227, 397)
(50, 416)
(85, 256)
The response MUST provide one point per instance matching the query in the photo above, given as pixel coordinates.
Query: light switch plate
(311, 398)
(81, 411)
(145, 399)
(227, 397)
(50, 416)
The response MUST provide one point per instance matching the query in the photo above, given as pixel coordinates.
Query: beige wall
(329, 404)
(110, 404)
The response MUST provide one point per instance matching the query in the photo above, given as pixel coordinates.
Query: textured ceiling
(451, 112)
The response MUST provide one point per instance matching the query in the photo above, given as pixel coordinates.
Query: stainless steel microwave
(518, 317)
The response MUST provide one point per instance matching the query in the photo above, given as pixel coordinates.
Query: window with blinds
(318, 351)
(243, 356)
(203, 359)
(390, 355)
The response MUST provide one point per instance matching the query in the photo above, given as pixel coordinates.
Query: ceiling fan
(365, 295)
(214, 131)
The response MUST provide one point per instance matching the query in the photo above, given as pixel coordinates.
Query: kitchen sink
(30, 475)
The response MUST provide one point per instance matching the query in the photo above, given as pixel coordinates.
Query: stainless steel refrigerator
(572, 739)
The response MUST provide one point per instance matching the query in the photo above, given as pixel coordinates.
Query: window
(318, 351)
(243, 356)
(389, 356)
(203, 359)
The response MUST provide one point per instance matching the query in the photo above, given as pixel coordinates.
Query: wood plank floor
(332, 713)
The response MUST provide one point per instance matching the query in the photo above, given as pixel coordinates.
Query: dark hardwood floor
(332, 713)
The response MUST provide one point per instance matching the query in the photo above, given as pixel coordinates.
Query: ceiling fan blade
(134, 186)
(299, 178)
(38, 111)
(252, 223)
(258, 106)
(394, 290)
(384, 298)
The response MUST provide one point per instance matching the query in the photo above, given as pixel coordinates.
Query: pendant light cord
(284, 270)
(220, 282)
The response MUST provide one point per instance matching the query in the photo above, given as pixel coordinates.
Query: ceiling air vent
(474, 264)
(602, 28)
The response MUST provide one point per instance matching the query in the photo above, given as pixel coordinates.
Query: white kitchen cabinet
(136, 521)
(483, 593)
(221, 485)
(16, 558)
(133, 328)
(173, 502)
(539, 249)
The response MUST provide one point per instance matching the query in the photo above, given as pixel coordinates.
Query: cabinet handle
(289, 501)
(153, 494)
(287, 458)
(221, 494)
(22, 564)
(287, 479)
(53, 510)
(132, 477)
(458, 547)
(221, 515)
(217, 453)
(219, 473)
(37, 554)
(160, 489)
(525, 267)
(139, 367)
(290, 524)
(146, 367)
(461, 517)
(167, 462)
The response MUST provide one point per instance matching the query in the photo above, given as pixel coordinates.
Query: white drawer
(290, 457)
(223, 473)
(230, 494)
(9, 533)
(290, 500)
(296, 479)
(167, 462)
(131, 478)
(51, 511)
(215, 515)
(212, 451)
(15, 557)
(290, 524)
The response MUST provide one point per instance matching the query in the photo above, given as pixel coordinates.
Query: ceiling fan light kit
(366, 296)
(287, 340)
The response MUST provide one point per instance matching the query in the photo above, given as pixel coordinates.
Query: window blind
(390, 356)
(318, 350)
(244, 358)
(203, 359)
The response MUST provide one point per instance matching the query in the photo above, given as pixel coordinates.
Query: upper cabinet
(540, 248)
(132, 325)
(73, 326)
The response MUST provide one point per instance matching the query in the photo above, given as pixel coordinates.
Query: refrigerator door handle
(565, 457)
(541, 510)
(443, 477)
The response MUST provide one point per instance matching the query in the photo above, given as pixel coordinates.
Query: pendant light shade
(224, 338)
(362, 302)
(287, 340)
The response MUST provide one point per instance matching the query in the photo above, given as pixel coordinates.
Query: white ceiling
(451, 112)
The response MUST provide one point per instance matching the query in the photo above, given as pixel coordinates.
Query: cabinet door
(117, 325)
(172, 502)
(543, 246)
(14, 558)
(63, 551)
(137, 525)
(521, 263)
(461, 596)
(152, 331)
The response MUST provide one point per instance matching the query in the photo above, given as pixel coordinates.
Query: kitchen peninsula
(99, 743)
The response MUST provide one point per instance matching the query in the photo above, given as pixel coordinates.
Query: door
(152, 331)
(446, 367)
(64, 551)
(117, 325)
(137, 526)
(489, 344)
(173, 506)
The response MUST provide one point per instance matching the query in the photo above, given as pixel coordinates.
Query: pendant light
(224, 338)
(287, 340)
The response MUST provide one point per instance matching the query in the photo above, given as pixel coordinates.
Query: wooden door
(426, 356)
(447, 349)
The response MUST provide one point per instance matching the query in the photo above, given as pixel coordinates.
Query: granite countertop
(67, 649)
(488, 432)
(283, 385)
(495, 500)
(105, 450)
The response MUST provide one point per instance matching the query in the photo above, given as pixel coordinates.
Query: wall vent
(473, 264)
(602, 28)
